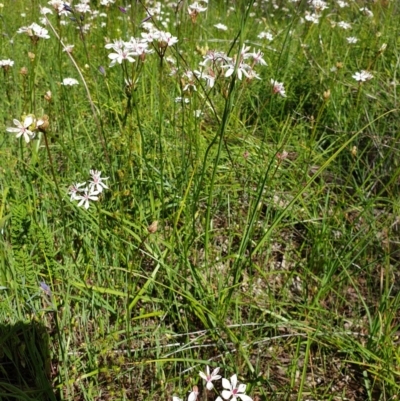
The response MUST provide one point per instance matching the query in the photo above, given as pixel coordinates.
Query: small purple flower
(122, 9)
(45, 288)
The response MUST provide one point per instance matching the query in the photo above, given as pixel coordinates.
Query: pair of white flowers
(26, 128)
(89, 192)
(232, 389)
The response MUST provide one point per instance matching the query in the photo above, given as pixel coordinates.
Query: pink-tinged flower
(165, 39)
(241, 70)
(209, 378)
(74, 190)
(88, 195)
(22, 129)
(120, 56)
(193, 395)
(257, 57)
(232, 391)
(35, 30)
(196, 8)
(362, 76)
(210, 77)
(97, 183)
(277, 87)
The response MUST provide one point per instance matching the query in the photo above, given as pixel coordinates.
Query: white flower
(82, 8)
(241, 70)
(265, 35)
(366, 12)
(344, 25)
(6, 63)
(209, 378)
(97, 183)
(318, 5)
(164, 38)
(221, 27)
(88, 195)
(196, 8)
(40, 32)
(352, 39)
(257, 57)
(232, 391)
(22, 129)
(314, 18)
(210, 77)
(362, 76)
(120, 56)
(69, 82)
(74, 189)
(45, 10)
(277, 87)
(193, 395)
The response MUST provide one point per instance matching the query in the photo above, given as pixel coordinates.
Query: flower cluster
(35, 32)
(232, 390)
(28, 127)
(139, 47)
(84, 192)
(128, 50)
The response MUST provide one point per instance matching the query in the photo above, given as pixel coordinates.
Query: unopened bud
(48, 96)
(152, 228)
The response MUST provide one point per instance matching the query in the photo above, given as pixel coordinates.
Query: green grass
(243, 229)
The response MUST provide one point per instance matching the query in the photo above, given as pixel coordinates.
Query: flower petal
(28, 121)
(203, 375)
(226, 384)
(234, 381)
(244, 397)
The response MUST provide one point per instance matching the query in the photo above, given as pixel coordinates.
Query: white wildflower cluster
(35, 31)
(216, 64)
(139, 47)
(232, 390)
(128, 50)
(317, 6)
(85, 192)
